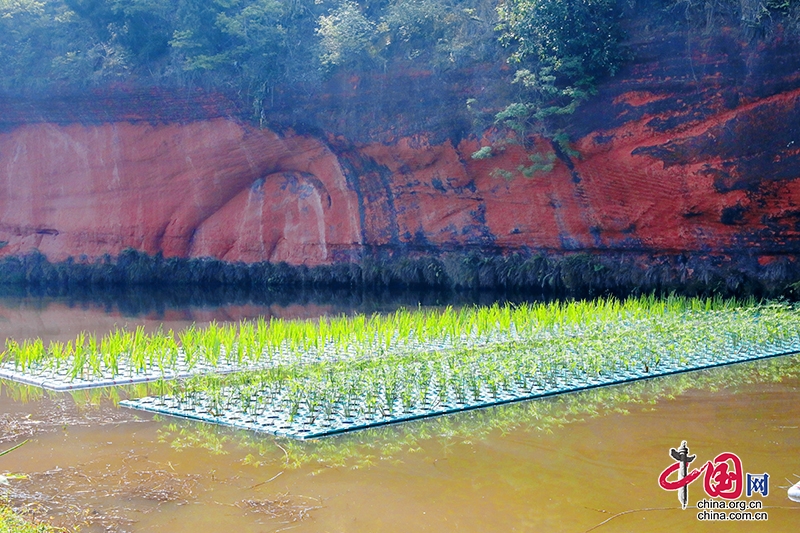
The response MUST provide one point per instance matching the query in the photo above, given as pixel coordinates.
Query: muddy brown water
(58, 320)
(562, 464)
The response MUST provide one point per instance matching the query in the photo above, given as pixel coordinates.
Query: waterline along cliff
(682, 168)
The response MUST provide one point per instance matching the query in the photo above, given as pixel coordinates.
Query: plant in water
(11, 522)
(519, 351)
(410, 360)
(5, 478)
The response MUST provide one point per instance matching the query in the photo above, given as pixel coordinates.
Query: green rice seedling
(38, 355)
(494, 383)
(33, 355)
(246, 393)
(371, 399)
(340, 337)
(446, 325)
(351, 389)
(310, 333)
(274, 335)
(212, 343)
(278, 334)
(169, 351)
(76, 369)
(212, 386)
(293, 400)
(50, 362)
(25, 356)
(152, 348)
(156, 348)
(190, 343)
(81, 356)
(294, 335)
(331, 400)
(246, 343)
(137, 352)
(318, 337)
(440, 378)
(113, 346)
(21, 355)
(474, 382)
(313, 400)
(407, 384)
(104, 349)
(458, 385)
(261, 345)
(404, 326)
(94, 356)
(228, 344)
(452, 325)
(57, 351)
(193, 392)
(161, 387)
(357, 333)
(11, 353)
(273, 380)
(424, 379)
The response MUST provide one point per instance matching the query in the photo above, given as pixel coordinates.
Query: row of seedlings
(129, 356)
(310, 400)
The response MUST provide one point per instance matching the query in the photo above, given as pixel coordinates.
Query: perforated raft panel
(60, 379)
(276, 418)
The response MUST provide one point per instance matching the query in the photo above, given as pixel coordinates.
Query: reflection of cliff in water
(59, 313)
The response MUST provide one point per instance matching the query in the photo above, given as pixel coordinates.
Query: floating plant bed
(124, 357)
(330, 397)
(277, 420)
(72, 374)
(312, 378)
(62, 380)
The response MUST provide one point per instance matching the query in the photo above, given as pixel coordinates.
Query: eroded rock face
(208, 188)
(690, 148)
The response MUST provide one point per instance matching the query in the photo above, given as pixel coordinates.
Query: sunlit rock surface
(206, 188)
(689, 148)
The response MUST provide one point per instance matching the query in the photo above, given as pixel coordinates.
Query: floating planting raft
(309, 379)
(124, 357)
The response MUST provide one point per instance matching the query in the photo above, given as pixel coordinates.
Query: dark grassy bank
(574, 275)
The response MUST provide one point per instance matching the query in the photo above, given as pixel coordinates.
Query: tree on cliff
(561, 49)
(42, 45)
(427, 33)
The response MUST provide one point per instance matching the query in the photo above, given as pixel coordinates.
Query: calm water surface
(563, 464)
(62, 317)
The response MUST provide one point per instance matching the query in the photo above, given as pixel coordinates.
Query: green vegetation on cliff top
(559, 49)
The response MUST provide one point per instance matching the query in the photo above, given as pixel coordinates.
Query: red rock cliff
(689, 148)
